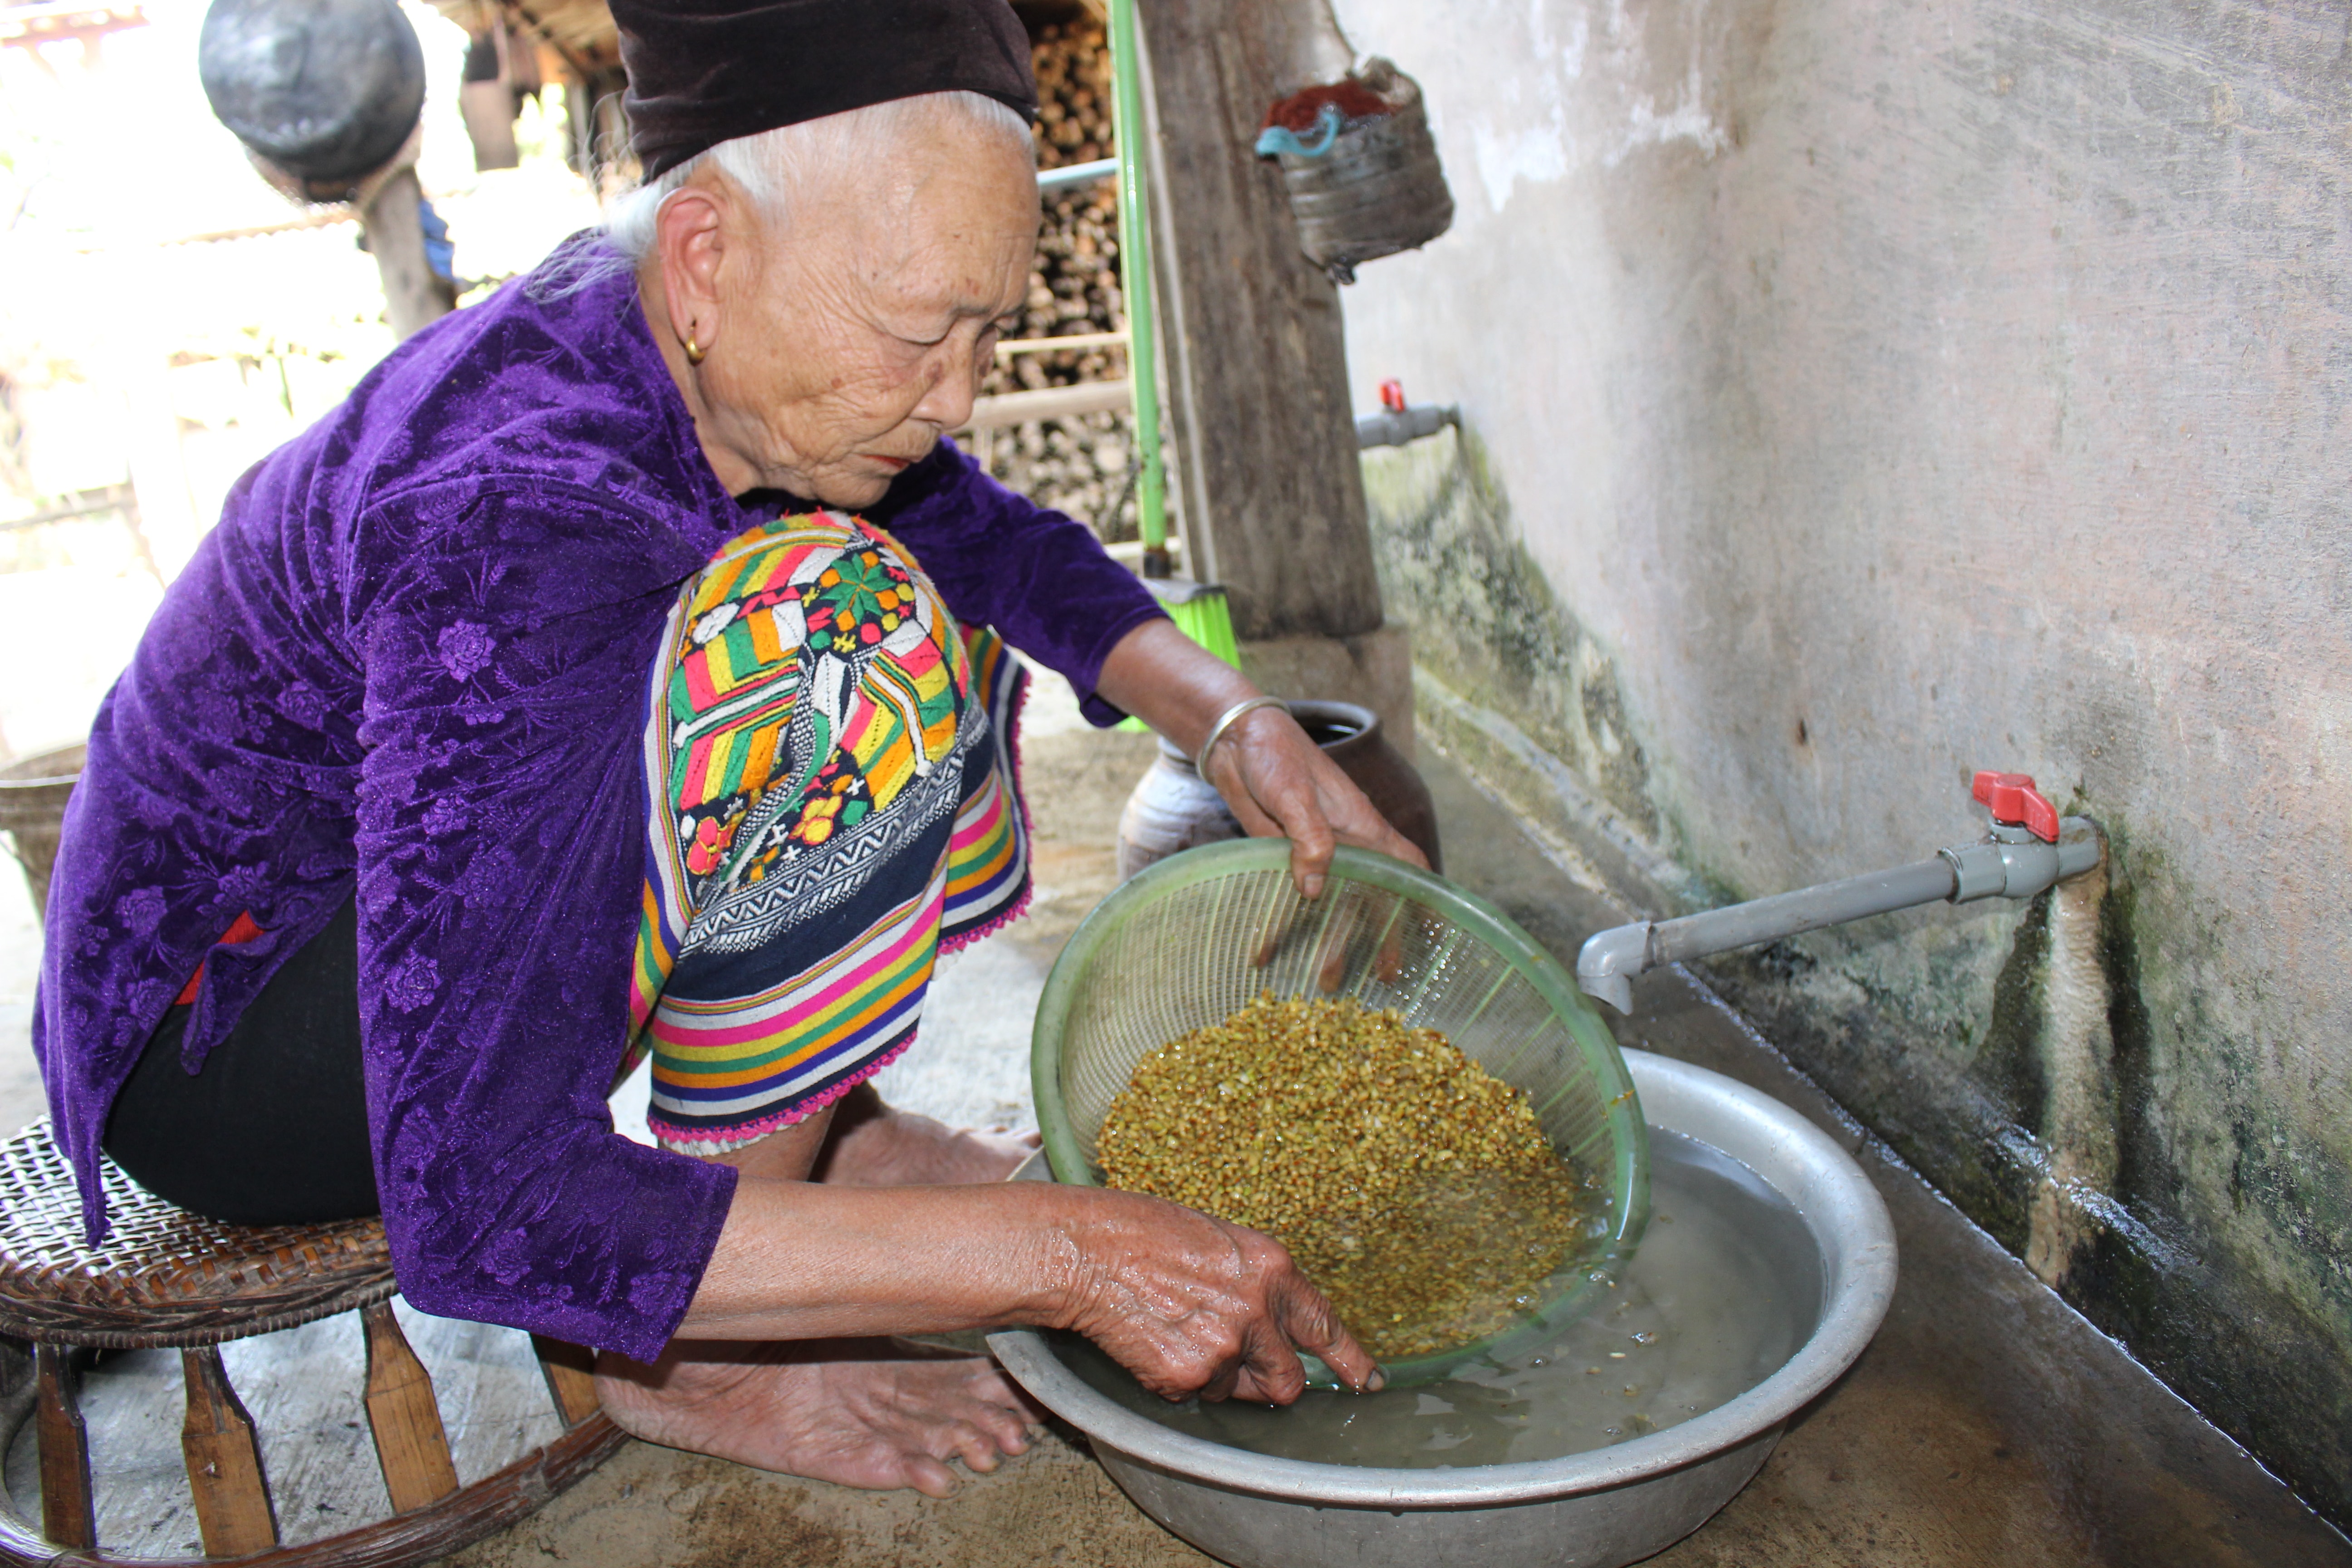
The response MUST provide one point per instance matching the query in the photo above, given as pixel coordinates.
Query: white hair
(772, 166)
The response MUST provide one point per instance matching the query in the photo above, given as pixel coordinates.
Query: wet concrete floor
(1989, 1423)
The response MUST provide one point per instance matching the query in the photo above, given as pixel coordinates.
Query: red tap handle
(2015, 803)
(1393, 396)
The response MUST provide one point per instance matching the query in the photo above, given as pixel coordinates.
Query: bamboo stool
(167, 1278)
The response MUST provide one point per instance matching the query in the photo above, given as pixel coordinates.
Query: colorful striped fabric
(835, 801)
(988, 857)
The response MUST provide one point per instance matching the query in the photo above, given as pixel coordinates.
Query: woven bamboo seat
(163, 1276)
(168, 1278)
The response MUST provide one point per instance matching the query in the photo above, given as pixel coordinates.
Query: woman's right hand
(1187, 1303)
(1192, 1305)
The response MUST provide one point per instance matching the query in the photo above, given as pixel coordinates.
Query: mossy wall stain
(2220, 1247)
(1868, 393)
(1450, 561)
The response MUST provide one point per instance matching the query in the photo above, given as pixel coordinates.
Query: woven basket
(33, 793)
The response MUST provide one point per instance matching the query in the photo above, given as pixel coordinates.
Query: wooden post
(163, 514)
(411, 1446)
(233, 1507)
(396, 235)
(1257, 364)
(68, 1504)
(488, 109)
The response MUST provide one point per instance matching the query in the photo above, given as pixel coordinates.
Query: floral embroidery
(141, 910)
(465, 647)
(413, 984)
(303, 703)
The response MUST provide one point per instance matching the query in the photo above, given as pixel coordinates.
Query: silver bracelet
(1226, 721)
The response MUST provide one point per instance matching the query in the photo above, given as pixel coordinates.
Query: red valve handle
(1393, 396)
(2015, 803)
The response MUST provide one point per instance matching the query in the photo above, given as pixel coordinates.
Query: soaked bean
(1412, 1186)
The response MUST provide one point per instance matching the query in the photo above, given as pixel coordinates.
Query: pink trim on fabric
(1028, 833)
(676, 1138)
(1018, 909)
(836, 990)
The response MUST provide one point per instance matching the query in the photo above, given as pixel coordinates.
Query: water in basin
(1726, 1286)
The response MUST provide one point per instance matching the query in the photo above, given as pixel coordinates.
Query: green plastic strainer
(1189, 940)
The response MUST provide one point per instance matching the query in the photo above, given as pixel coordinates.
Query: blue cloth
(439, 254)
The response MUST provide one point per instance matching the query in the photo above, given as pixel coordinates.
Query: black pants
(274, 1130)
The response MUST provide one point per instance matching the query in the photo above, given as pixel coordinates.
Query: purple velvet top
(411, 660)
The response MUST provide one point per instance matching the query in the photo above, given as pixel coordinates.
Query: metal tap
(1400, 422)
(2030, 849)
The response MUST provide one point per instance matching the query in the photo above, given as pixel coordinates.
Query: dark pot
(1173, 808)
(33, 794)
(326, 89)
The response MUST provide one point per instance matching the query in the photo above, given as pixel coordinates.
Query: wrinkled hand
(1274, 780)
(1277, 781)
(1192, 1305)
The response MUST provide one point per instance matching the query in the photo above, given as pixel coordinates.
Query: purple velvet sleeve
(1040, 577)
(505, 647)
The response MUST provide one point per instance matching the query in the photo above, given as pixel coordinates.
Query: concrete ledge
(1582, 834)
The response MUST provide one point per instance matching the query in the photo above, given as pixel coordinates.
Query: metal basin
(1595, 1509)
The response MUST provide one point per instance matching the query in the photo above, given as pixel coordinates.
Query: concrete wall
(1863, 391)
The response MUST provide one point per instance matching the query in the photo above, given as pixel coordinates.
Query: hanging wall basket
(1361, 168)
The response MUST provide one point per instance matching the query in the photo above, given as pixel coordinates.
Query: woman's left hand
(1275, 779)
(1278, 781)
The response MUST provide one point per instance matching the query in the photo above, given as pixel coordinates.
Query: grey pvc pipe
(2010, 864)
(1806, 909)
(1389, 428)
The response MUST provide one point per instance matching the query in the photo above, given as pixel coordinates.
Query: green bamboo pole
(1135, 282)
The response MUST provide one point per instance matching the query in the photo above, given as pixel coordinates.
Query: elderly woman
(623, 669)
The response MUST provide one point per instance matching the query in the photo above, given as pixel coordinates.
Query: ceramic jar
(1173, 808)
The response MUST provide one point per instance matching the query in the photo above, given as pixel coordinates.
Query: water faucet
(1399, 422)
(2030, 849)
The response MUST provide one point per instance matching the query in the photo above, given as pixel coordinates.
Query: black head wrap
(706, 71)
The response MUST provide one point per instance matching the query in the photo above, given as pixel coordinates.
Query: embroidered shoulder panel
(816, 711)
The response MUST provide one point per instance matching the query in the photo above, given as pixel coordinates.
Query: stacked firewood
(1079, 465)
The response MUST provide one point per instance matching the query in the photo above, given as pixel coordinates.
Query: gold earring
(694, 350)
